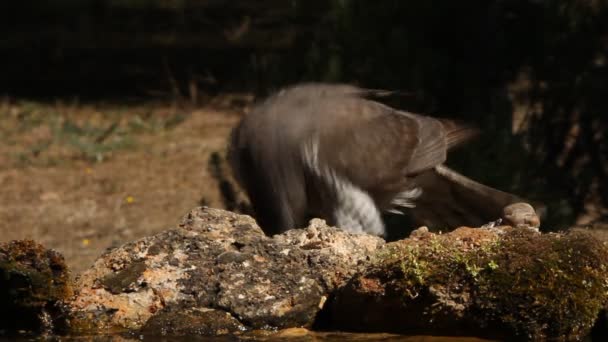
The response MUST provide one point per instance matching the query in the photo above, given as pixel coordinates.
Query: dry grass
(83, 178)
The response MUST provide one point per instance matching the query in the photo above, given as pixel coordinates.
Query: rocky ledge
(217, 274)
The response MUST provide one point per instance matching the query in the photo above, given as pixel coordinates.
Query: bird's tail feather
(458, 133)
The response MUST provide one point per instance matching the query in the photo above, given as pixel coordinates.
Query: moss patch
(479, 281)
(33, 281)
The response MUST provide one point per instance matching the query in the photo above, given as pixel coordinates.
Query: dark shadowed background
(114, 113)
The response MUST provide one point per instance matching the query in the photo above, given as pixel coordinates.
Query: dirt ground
(81, 178)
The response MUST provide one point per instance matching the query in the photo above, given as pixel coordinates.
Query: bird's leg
(492, 224)
(520, 215)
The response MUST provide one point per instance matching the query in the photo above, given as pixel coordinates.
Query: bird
(332, 151)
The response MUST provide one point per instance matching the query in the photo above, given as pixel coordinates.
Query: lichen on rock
(219, 265)
(216, 273)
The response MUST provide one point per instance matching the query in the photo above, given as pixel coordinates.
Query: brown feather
(371, 153)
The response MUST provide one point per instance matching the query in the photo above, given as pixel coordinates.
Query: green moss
(533, 285)
(548, 286)
(415, 270)
(492, 265)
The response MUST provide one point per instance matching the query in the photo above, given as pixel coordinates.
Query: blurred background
(114, 114)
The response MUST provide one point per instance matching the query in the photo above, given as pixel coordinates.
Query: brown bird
(328, 151)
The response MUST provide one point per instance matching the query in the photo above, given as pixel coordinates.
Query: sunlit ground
(83, 178)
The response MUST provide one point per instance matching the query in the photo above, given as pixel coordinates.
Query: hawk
(329, 151)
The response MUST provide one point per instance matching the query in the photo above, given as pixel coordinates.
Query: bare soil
(84, 178)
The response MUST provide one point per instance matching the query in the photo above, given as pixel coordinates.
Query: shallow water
(285, 335)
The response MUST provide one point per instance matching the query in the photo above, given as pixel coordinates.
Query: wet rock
(216, 273)
(33, 282)
(218, 268)
(304, 335)
(498, 281)
(191, 322)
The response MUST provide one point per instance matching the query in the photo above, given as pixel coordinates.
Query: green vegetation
(37, 133)
(536, 285)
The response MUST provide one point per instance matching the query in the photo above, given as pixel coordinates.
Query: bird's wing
(431, 147)
(265, 166)
(376, 147)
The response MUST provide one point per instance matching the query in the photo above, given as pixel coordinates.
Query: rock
(219, 270)
(216, 273)
(33, 282)
(599, 230)
(191, 322)
(520, 214)
(476, 282)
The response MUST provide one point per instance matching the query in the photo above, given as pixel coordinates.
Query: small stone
(420, 232)
(520, 215)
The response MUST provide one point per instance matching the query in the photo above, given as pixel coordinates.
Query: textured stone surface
(480, 281)
(33, 281)
(217, 274)
(221, 263)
